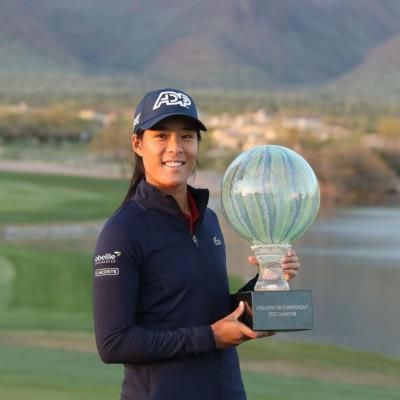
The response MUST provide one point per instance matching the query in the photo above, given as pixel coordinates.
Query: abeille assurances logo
(108, 258)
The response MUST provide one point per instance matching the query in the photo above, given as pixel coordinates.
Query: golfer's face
(169, 151)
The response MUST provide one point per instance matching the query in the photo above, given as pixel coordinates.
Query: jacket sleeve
(116, 285)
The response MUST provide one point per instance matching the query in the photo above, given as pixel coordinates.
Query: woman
(161, 299)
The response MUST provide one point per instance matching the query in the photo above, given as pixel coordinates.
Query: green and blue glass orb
(270, 195)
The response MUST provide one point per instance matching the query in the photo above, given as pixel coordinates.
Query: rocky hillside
(239, 44)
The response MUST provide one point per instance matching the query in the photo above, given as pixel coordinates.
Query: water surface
(351, 262)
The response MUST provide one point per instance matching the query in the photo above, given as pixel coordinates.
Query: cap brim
(150, 123)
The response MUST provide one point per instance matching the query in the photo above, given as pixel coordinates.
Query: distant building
(20, 108)
(243, 131)
(104, 119)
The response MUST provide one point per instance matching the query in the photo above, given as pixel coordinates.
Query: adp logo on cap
(162, 103)
(171, 98)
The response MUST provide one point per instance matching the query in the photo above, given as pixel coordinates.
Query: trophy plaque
(270, 197)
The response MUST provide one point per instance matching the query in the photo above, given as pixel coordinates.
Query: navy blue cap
(162, 103)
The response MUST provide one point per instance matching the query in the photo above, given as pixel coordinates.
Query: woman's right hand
(230, 332)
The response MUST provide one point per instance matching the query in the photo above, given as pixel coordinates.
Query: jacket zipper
(195, 241)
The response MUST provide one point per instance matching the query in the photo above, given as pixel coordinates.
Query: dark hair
(138, 174)
(138, 171)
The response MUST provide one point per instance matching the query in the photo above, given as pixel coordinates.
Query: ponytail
(137, 176)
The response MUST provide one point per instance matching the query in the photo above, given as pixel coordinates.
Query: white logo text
(106, 272)
(136, 121)
(108, 258)
(171, 98)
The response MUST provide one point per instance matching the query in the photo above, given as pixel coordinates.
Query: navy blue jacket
(157, 290)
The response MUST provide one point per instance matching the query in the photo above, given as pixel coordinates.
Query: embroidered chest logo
(217, 241)
(108, 258)
(100, 272)
(171, 98)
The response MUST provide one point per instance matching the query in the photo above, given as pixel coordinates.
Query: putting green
(27, 198)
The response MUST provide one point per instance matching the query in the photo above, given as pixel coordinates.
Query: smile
(173, 164)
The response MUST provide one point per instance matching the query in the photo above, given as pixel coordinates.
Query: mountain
(377, 77)
(242, 44)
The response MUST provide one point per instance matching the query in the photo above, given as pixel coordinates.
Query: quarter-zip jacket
(157, 290)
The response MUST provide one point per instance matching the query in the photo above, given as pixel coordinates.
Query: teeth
(173, 163)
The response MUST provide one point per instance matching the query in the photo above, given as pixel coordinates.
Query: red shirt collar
(191, 220)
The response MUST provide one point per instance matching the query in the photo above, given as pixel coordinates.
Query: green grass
(33, 198)
(51, 292)
(57, 374)
(235, 283)
(321, 372)
(318, 355)
(274, 387)
(46, 289)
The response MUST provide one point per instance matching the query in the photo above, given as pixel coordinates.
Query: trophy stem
(271, 276)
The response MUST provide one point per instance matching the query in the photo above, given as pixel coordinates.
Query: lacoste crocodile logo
(217, 241)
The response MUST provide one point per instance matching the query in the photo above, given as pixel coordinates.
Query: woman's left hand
(290, 264)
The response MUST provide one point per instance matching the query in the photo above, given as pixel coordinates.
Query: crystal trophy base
(272, 306)
(280, 311)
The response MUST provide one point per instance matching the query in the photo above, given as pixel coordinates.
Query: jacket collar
(149, 197)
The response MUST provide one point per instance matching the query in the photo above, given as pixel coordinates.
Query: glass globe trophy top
(270, 197)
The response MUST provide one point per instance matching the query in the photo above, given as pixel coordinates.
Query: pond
(351, 262)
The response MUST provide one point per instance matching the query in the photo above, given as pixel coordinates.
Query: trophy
(270, 197)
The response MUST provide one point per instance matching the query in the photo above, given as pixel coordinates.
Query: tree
(352, 174)
(389, 129)
(115, 140)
